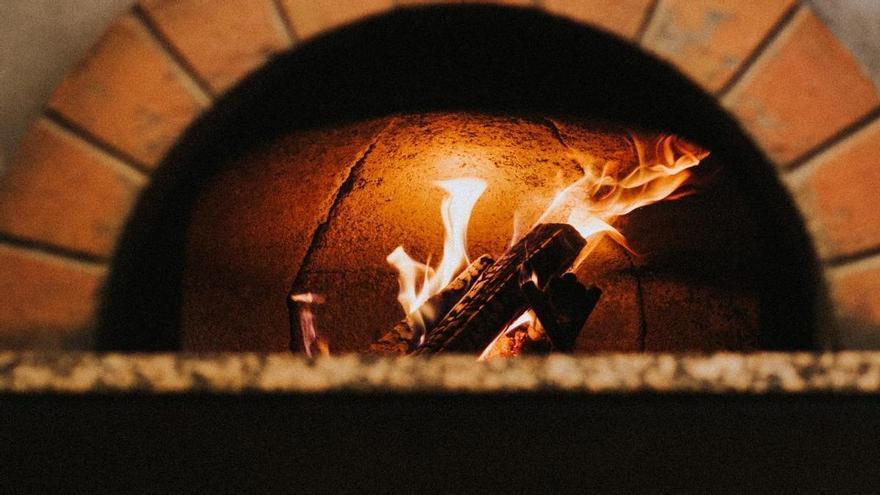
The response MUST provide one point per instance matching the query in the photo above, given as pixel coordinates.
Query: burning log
(562, 308)
(401, 339)
(554, 321)
(523, 336)
(496, 299)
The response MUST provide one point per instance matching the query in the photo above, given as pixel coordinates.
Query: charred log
(402, 338)
(558, 315)
(562, 308)
(496, 299)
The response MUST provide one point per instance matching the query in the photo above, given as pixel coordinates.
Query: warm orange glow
(419, 281)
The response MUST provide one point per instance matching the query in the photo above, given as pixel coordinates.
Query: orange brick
(496, 2)
(128, 93)
(709, 39)
(60, 191)
(838, 192)
(622, 17)
(502, 2)
(804, 89)
(45, 295)
(222, 40)
(855, 291)
(310, 17)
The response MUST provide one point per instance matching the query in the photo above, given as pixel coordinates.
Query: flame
(591, 205)
(419, 281)
(312, 340)
(606, 192)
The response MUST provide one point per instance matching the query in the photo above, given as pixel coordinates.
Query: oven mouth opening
(489, 68)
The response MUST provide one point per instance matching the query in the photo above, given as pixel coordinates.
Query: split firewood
(403, 337)
(496, 299)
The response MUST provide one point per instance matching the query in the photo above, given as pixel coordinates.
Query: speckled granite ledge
(847, 372)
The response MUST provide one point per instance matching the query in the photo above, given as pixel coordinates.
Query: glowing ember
(522, 324)
(313, 343)
(419, 281)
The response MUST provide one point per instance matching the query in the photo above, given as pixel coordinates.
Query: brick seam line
(650, 14)
(96, 143)
(58, 254)
(830, 143)
(283, 22)
(199, 88)
(758, 52)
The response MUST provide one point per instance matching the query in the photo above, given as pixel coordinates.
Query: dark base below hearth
(451, 443)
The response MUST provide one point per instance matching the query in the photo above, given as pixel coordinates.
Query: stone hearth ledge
(758, 373)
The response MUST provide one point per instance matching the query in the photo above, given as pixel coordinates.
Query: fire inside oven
(470, 179)
(552, 189)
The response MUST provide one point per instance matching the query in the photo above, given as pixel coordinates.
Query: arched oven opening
(313, 170)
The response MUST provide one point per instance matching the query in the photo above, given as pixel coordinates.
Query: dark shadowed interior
(514, 67)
